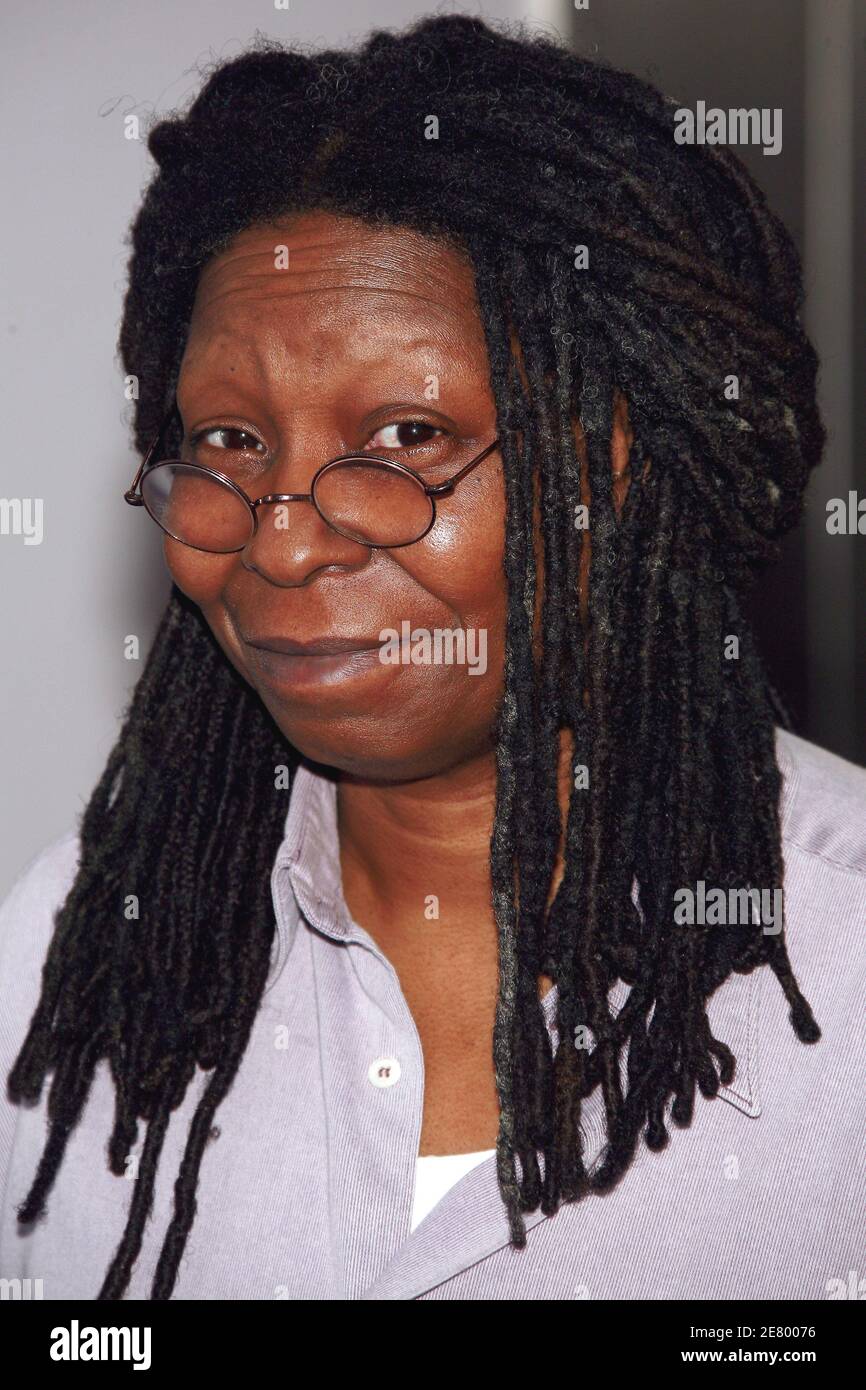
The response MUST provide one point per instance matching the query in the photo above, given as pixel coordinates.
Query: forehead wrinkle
(430, 311)
(445, 329)
(444, 311)
(262, 353)
(385, 250)
(207, 357)
(365, 270)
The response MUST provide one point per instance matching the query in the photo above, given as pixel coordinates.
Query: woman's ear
(622, 438)
(621, 441)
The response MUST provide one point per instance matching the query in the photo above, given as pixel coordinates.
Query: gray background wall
(70, 75)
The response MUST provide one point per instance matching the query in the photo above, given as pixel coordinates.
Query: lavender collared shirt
(307, 1193)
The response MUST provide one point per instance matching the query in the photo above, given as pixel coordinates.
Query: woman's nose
(292, 541)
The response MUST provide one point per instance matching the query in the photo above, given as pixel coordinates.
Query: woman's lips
(319, 664)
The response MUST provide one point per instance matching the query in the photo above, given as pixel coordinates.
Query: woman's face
(356, 339)
(364, 332)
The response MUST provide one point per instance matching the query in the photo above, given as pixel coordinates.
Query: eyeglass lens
(366, 501)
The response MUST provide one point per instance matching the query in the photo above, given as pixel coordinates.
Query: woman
(392, 859)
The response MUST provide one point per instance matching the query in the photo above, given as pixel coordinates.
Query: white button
(384, 1071)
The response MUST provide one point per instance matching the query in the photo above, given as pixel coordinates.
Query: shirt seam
(825, 858)
(751, 1097)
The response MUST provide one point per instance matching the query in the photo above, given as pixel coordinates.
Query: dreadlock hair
(690, 278)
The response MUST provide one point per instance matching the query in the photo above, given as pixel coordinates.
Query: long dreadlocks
(690, 278)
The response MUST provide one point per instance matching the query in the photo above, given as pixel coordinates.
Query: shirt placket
(373, 1074)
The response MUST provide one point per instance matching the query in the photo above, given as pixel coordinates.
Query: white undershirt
(435, 1174)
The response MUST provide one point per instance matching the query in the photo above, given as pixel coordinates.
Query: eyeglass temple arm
(133, 495)
(440, 489)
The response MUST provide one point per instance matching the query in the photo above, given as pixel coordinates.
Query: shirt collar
(306, 884)
(306, 879)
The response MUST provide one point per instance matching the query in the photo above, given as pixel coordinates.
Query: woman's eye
(231, 439)
(403, 434)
